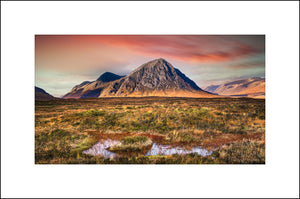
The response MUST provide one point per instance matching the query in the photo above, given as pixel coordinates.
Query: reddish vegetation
(214, 141)
(230, 127)
(222, 139)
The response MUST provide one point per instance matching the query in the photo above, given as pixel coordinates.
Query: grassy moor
(232, 130)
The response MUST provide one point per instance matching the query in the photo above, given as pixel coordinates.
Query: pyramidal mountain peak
(154, 78)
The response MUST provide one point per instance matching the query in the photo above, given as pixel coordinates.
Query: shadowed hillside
(41, 94)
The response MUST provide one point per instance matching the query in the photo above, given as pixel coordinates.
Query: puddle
(158, 149)
(99, 149)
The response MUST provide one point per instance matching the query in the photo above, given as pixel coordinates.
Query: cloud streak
(182, 47)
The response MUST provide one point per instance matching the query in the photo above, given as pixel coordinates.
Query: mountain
(251, 87)
(42, 95)
(108, 77)
(211, 88)
(155, 78)
(92, 89)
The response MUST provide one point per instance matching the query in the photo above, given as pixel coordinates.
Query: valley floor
(232, 129)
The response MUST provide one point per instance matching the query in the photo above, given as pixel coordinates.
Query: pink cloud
(190, 48)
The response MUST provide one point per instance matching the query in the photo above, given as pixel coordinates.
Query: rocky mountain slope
(154, 78)
(251, 87)
(42, 95)
(92, 89)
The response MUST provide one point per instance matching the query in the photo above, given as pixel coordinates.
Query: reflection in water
(100, 149)
(158, 149)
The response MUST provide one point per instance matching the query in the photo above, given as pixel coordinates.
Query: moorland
(231, 129)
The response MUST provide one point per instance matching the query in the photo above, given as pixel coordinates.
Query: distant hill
(251, 87)
(42, 95)
(155, 78)
(211, 88)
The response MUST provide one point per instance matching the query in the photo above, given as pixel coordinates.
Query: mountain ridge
(249, 87)
(91, 89)
(154, 78)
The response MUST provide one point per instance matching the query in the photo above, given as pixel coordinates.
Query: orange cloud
(191, 48)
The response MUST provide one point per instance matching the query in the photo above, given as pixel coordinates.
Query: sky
(63, 61)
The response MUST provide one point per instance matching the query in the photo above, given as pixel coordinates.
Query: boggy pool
(99, 149)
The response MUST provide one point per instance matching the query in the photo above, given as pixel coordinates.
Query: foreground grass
(233, 128)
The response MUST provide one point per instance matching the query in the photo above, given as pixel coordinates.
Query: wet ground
(100, 149)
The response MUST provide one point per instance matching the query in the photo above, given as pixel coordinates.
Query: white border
(277, 20)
